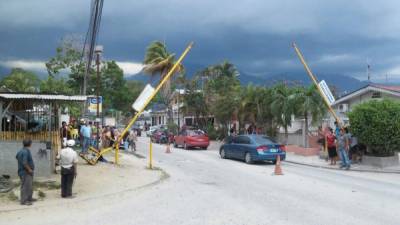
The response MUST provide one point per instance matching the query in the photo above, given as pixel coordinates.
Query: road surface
(204, 189)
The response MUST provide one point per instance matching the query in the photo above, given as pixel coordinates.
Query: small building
(159, 114)
(33, 116)
(369, 92)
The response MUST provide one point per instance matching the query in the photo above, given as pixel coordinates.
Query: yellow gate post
(151, 156)
(303, 61)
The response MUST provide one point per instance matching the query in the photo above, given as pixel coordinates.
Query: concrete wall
(41, 157)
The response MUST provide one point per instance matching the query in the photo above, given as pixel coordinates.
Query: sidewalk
(316, 161)
(92, 182)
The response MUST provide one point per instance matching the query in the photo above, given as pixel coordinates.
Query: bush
(211, 132)
(172, 127)
(377, 125)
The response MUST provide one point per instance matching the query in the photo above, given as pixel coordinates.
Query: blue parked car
(252, 148)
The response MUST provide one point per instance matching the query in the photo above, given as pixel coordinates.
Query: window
(195, 132)
(376, 95)
(241, 140)
(263, 140)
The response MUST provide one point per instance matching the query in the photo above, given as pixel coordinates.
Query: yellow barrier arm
(166, 77)
(315, 82)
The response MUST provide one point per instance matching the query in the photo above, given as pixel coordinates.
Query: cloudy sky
(336, 37)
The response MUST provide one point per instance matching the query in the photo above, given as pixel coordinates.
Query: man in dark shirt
(25, 172)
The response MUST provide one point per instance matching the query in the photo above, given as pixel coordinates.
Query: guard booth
(33, 116)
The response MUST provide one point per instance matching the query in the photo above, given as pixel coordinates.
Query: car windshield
(263, 140)
(195, 132)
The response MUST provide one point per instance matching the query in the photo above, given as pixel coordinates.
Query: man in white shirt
(68, 162)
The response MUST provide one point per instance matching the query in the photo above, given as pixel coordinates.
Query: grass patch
(50, 185)
(11, 196)
(41, 194)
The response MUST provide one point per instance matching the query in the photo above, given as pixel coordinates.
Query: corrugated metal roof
(43, 97)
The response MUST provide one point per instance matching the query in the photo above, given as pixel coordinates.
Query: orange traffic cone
(278, 169)
(168, 150)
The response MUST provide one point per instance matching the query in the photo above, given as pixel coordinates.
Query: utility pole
(98, 51)
(368, 72)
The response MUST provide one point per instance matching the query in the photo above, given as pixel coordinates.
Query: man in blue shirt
(25, 172)
(86, 132)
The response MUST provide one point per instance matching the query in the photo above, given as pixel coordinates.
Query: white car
(151, 130)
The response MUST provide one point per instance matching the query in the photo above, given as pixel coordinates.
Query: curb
(332, 168)
(163, 176)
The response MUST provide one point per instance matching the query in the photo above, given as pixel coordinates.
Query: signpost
(92, 105)
(144, 95)
(326, 92)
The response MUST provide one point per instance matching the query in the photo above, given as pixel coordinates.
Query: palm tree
(222, 90)
(308, 102)
(159, 61)
(249, 105)
(282, 107)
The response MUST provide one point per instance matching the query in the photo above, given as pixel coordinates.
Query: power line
(91, 37)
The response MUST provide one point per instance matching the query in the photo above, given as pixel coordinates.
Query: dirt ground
(92, 181)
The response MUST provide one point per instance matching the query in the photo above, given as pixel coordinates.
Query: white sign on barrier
(327, 92)
(144, 95)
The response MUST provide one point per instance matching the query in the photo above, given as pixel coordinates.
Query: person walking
(25, 172)
(132, 138)
(86, 133)
(330, 140)
(343, 148)
(64, 132)
(68, 162)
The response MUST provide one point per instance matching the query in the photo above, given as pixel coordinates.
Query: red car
(192, 138)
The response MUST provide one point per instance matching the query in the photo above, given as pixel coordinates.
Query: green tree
(223, 89)
(68, 60)
(377, 124)
(21, 80)
(247, 110)
(308, 102)
(118, 94)
(53, 85)
(282, 106)
(159, 61)
(194, 103)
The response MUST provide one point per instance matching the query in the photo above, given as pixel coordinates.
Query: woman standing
(332, 153)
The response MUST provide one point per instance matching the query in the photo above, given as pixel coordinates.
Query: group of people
(341, 144)
(251, 129)
(86, 135)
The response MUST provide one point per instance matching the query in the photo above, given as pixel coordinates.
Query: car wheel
(222, 153)
(185, 146)
(274, 162)
(247, 158)
(204, 148)
(175, 145)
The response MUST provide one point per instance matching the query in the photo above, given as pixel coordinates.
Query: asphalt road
(204, 189)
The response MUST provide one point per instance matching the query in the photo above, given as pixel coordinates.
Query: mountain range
(341, 83)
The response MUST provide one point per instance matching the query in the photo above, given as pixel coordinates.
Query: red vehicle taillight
(261, 148)
(282, 148)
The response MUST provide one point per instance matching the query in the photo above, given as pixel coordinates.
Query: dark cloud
(336, 37)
